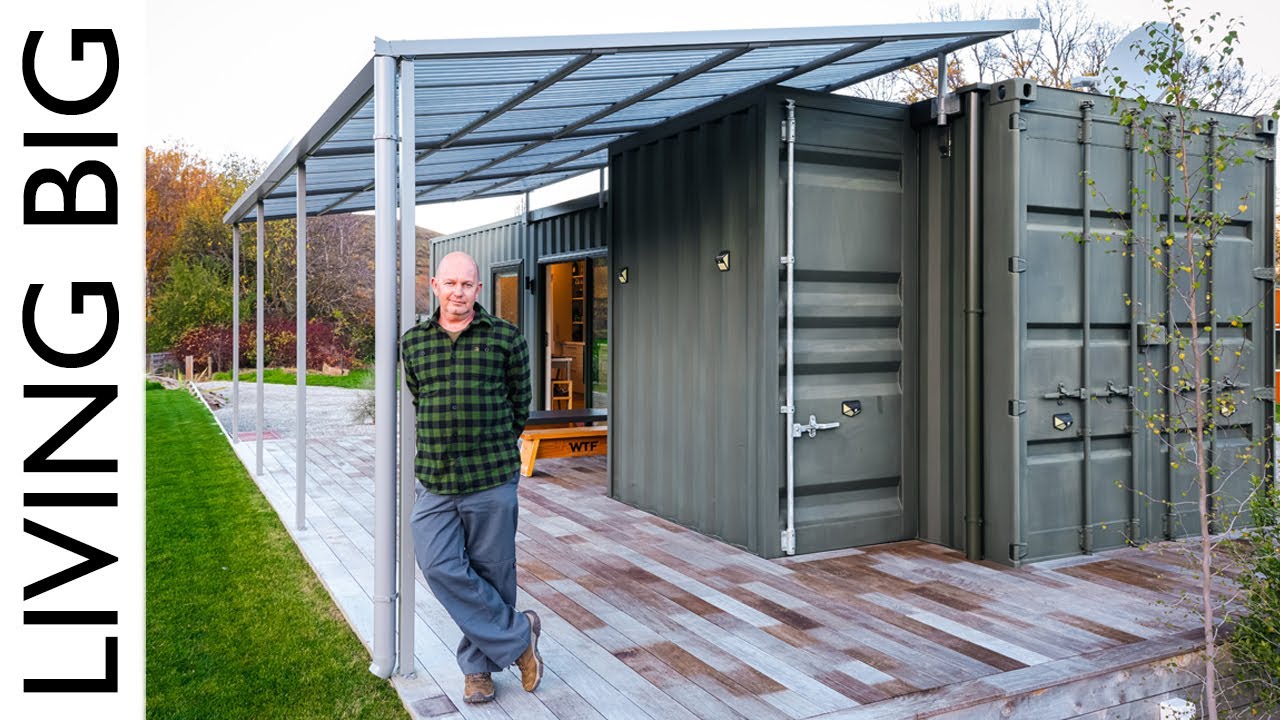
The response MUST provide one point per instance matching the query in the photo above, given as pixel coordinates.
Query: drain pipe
(972, 340)
(789, 533)
(1086, 397)
(1139, 488)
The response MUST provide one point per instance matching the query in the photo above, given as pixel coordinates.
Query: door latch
(812, 428)
(1063, 393)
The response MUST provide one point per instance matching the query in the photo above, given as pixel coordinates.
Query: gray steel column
(408, 318)
(262, 241)
(385, 342)
(235, 333)
(300, 451)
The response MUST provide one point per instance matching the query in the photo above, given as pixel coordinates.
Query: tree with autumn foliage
(190, 273)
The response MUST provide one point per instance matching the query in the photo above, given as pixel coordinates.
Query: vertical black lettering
(38, 461)
(79, 290)
(109, 683)
(94, 559)
(68, 215)
(79, 38)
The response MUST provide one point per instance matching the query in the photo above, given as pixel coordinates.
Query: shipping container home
(1065, 324)
(939, 295)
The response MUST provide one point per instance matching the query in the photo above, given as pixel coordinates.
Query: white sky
(247, 77)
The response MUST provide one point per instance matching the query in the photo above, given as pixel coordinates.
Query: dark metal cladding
(1065, 469)
(697, 435)
(572, 228)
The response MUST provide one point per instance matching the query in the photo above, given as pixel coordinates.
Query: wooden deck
(645, 619)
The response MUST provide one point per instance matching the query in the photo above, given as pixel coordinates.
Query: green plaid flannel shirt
(471, 400)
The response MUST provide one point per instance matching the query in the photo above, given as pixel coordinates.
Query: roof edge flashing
(624, 42)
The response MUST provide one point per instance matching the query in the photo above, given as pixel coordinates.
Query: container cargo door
(848, 332)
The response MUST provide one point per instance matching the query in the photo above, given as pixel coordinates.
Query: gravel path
(330, 410)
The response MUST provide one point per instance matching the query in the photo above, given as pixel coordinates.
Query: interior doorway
(576, 330)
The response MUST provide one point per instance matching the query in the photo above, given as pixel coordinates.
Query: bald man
(468, 372)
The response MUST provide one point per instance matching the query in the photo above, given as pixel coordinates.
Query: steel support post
(385, 342)
(300, 451)
(235, 333)
(262, 241)
(408, 318)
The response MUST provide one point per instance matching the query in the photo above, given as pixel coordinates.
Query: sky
(248, 77)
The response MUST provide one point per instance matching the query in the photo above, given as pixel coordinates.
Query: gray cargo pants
(466, 547)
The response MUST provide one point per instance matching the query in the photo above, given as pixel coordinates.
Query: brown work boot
(530, 661)
(478, 688)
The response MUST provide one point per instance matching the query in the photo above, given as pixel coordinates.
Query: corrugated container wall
(696, 432)
(1068, 325)
(572, 229)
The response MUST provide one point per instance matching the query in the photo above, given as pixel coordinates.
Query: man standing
(468, 372)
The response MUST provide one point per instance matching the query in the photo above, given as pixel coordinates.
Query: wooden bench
(561, 442)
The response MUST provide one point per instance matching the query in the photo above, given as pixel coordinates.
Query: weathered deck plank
(648, 620)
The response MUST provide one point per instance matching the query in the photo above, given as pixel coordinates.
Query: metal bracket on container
(1017, 407)
(1017, 122)
(1264, 273)
(787, 409)
(789, 541)
(1264, 393)
(1265, 154)
(949, 103)
(1135, 527)
(1151, 334)
(1086, 538)
(1017, 551)
(1017, 264)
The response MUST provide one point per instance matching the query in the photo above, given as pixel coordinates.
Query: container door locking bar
(812, 428)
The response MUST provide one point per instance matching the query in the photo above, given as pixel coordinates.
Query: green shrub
(1255, 640)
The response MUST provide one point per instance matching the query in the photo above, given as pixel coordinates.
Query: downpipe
(789, 533)
(972, 339)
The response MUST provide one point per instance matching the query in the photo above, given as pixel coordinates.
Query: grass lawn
(238, 625)
(355, 379)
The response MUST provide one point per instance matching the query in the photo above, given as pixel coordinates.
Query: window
(506, 294)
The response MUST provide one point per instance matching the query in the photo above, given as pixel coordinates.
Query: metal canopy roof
(503, 116)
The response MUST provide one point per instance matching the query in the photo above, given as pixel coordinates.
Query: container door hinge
(788, 132)
(1017, 122)
(1264, 273)
(789, 541)
(1134, 531)
(787, 409)
(1017, 407)
(1264, 393)
(1265, 154)
(1017, 264)
(1017, 551)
